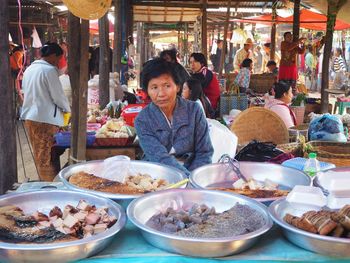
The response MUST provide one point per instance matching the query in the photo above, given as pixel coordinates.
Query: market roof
(322, 5)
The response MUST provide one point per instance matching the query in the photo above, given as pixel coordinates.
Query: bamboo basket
(261, 83)
(337, 153)
(260, 124)
(299, 112)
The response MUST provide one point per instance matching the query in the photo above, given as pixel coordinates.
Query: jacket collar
(180, 116)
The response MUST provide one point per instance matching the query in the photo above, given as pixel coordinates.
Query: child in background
(242, 79)
(192, 90)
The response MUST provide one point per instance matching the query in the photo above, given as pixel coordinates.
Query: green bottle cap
(312, 155)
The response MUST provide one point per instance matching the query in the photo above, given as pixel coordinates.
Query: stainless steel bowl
(330, 246)
(219, 173)
(142, 209)
(44, 201)
(155, 170)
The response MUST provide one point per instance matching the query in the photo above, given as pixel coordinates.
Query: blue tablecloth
(130, 246)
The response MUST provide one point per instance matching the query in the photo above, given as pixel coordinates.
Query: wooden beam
(333, 8)
(8, 152)
(78, 141)
(117, 49)
(296, 20)
(224, 46)
(204, 33)
(104, 63)
(83, 88)
(186, 4)
(273, 31)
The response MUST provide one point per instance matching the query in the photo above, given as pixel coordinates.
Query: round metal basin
(142, 209)
(44, 201)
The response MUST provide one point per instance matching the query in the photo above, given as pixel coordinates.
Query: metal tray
(156, 170)
(44, 201)
(330, 246)
(142, 209)
(285, 177)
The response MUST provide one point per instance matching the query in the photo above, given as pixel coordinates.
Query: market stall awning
(322, 6)
(165, 14)
(308, 20)
(94, 26)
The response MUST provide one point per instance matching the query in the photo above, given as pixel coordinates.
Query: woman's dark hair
(170, 52)
(340, 51)
(197, 93)
(281, 88)
(286, 33)
(155, 68)
(268, 45)
(51, 48)
(196, 89)
(17, 48)
(199, 57)
(271, 63)
(246, 63)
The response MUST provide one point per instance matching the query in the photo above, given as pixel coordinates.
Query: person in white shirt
(243, 53)
(43, 107)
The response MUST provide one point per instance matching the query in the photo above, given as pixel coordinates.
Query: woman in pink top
(280, 104)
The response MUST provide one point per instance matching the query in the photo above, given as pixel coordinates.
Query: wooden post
(117, 49)
(273, 31)
(296, 20)
(224, 45)
(333, 8)
(104, 63)
(204, 28)
(78, 44)
(141, 43)
(8, 152)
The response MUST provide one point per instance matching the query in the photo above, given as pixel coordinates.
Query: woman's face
(195, 65)
(162, 91)
(288, 96)
(186, 92)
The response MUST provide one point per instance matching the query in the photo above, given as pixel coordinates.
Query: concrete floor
(26, 169)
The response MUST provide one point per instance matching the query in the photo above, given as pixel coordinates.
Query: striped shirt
(338, 64)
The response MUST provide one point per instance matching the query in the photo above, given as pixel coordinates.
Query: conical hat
(88, 9)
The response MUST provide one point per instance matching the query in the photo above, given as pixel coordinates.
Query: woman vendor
(209, 81)
(43, 107)
(171, 130)
(280, 105)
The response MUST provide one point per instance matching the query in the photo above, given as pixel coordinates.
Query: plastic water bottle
(312, 166)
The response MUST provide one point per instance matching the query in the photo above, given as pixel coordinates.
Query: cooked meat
(16, 227)
(92, 182)
(258, 193)
(10, 231)
(300, 223)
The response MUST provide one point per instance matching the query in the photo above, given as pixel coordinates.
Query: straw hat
(88, 9)
(248, 41)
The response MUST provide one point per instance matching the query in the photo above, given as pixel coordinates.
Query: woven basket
(337, 153)
(260, 124)
(299, 112)
(261, 83)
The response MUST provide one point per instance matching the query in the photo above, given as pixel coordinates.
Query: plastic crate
(63, 138)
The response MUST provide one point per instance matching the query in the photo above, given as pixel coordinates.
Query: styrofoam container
(306, 197)
(337, 202)
(336, 183)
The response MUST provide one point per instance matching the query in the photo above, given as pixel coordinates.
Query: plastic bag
(116, 168)
(223, 140)
(258, 152)
(326, 128)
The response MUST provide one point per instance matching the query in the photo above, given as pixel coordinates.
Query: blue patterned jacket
(188, 135)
